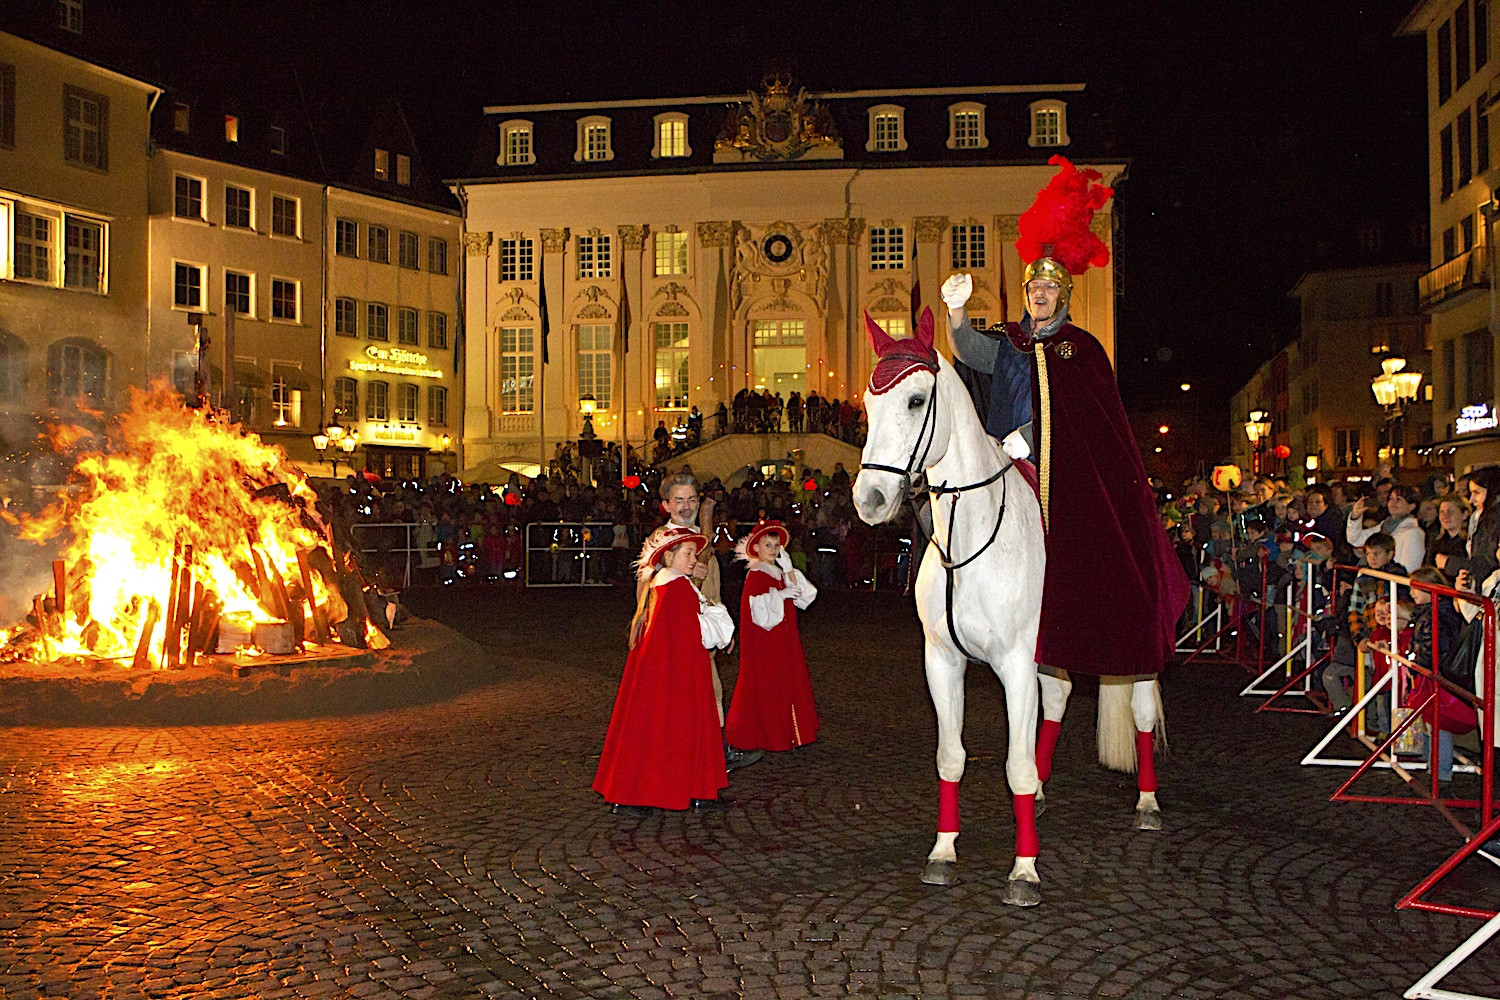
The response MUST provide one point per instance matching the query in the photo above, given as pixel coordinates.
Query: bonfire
(185, 536)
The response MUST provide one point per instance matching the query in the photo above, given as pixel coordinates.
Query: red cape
(773, 705)
(1114, 586)
(664, 747)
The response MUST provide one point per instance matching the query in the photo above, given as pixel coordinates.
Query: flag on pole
(541, 297)
(916, 288)
(624, 318)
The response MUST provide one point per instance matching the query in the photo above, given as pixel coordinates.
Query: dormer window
(180, 118)
(1049, 123)
(515, 144)
(671, 136)
(966, 126)
(593, 140)
(278, 140)
(382, 164)
(887, 129)
(231, 128)
(403, 169)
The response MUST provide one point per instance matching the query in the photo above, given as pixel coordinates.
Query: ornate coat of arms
(778, 126)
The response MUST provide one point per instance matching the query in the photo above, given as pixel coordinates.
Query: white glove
(956, 290)
(784, 561)
(1014, 445)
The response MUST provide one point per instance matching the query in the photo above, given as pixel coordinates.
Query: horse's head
(908, 431)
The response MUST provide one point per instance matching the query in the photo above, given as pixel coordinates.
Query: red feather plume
(1060, 218)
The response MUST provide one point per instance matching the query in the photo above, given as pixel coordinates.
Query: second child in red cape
(773, 705)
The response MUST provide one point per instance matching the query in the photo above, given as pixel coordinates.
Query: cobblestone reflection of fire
(185, 537)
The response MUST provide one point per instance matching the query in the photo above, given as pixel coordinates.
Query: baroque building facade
(686, 249)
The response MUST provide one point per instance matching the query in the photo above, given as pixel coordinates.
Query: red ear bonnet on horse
(899, 358)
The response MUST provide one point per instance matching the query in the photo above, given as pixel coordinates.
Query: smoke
(25, 571)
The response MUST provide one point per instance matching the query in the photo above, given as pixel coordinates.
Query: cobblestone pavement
(456, 850)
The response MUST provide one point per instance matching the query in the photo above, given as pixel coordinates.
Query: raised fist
(956, 290)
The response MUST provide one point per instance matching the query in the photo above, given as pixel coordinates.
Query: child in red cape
(773, 705)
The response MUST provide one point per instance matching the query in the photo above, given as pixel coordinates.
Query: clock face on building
(777, 248)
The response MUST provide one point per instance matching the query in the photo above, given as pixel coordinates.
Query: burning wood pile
(186, 537)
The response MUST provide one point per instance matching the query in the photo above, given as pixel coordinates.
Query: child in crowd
(1380, 550)
(664, 748)
(1434, 617)
(773, 705)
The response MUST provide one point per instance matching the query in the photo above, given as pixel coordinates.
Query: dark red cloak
(664, 747)
(772, 708)
(1114, 587)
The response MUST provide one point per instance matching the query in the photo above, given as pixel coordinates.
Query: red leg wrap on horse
(1026, 840)
(1145, 775)
(947, 806)
(1046, 742)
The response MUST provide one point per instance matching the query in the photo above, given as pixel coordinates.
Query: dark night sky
(1259, 131)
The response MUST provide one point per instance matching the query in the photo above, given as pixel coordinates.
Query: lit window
(593, 256)
(1049, 123)
(408, 251)
(887, 129)
(403, 169)
(285, 216)
(377, 401)
(379, 244)
(35, 236)
(77, 373)
(671, 253)
(408, 397)
(516, 260)
(236, 207)
(671, 341)
(238, 296)
(887, 248)
(345, 398)
(594, 362)
(968, 247)
(671, 135)
(382, 165)
(515, 144)
(231, 128)
(187, 199)
(344, 313)
(406, 326)
(70, 16)
(85, 128)
(181, 116)
(517, 367)
(285, 299)
(286, 399)
(437, 256)
(187, 285)
(437, 330)
(278, 140)
(437, 406)
(966, 126)
(377, 321)
(593, 140)
(346, 238)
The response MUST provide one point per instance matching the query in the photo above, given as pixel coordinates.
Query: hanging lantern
(1226, 478)
(1282, 451)
(631, 482)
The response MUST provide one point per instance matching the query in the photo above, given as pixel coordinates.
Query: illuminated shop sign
(1476, 417)
(395, 361)
(403, 434)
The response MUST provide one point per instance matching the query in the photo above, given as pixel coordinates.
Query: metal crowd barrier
(384, 540)
(569, 553)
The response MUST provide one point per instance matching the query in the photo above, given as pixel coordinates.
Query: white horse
(979, 587)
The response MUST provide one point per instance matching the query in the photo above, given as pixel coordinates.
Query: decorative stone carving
(672, 309)
(889, 304)
(593, 311)
(774, 125)
(715, 234)
(554, 240)
(671, 290)
(515, 313)
(478, 244)
(815, 264)
(886, 286)
(930, 228)
(633, 237)
(1006, 227)
(591, 292)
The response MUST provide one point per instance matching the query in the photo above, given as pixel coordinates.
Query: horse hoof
(940, 873)
(1041, 804)
(1020, 892)
(1148, 819)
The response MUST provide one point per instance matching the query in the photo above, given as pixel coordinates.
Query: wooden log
(168, 646)
(79, 589)
(143, 644)
(267, 593)
(205, 624)
(278, 590)
(319, 615)
(60, 585)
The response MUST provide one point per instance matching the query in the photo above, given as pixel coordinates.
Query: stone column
(481, 354)
(633, 367)
(931, 268)
(1008, 269)
(844, 325)
(715, 240)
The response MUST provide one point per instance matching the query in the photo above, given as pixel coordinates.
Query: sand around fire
(425, 662)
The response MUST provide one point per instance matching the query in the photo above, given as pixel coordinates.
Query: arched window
(516, 148)
(671, 135)
(594, 140)
(887, 129)
(966, 126)
(1049, 123)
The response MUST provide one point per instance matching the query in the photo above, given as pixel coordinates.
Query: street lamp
(586, 405)
(589, 445)
(1257, 429)
(335, 435)
(1394, 389)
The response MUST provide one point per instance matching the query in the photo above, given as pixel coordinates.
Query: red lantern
(810, 484)
(1282, 451)
(511, 500)
(631, 482)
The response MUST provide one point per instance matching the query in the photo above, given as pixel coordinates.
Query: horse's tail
(1117, 724)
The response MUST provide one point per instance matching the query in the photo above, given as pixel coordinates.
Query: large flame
(175, 480)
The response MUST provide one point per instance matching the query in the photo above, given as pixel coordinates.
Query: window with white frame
(887, 129)
(377, 401)
(593, 140)
(236, 207)
(594, 362)
(345, 317)
(377, 321)
(286, 299)
(887, 248)
(406, 326)
(408, 251)
(516, 259)
(966, 126)
(188, 283)
(83, 259)
(187, 197)
(671, 253)
(85, 128)
(36, 237)
(403, 169)
(671, 136)
(408, 398)
(70, 16)
(515, 144)
(382, 164)
(1049, 123)
(517, 366)
(239, 293)
(437, 256)
(278, 140)
(437, 406)
(379, 244)
(286, 215)
(437, 330)
(346, 237)
(779, 332)
(594, 256)
(286, 397)
(77, 372)
(345, 398)
(671, 340)
(968, 247)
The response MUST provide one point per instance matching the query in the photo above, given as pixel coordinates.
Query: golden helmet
(1050, 269)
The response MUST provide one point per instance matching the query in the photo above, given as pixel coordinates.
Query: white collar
(666, 575)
